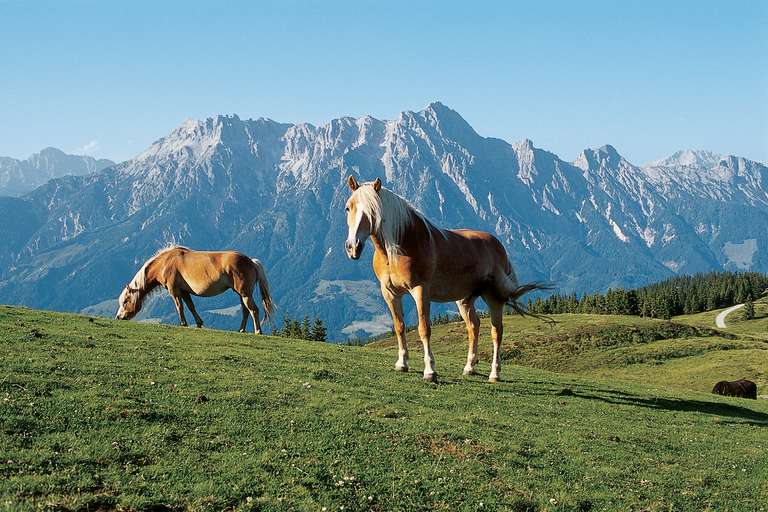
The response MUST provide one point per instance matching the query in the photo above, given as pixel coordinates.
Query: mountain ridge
(276, 191)
(18, 177)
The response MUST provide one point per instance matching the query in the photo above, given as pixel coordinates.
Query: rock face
(277, 191)
(20, 176)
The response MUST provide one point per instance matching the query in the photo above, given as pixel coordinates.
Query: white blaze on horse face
(358, 230)
(126, 304)
(120, 301)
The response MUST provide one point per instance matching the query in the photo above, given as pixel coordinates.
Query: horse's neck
(378, 245)
(151, 280)
(419, 231)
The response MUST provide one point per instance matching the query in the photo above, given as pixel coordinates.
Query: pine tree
(306, 328)
(285, 330)
(749, 308)
(295, 329)
(319, 331)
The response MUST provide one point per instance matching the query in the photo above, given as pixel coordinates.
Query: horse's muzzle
(354, 250)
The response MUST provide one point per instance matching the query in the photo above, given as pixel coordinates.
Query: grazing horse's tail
(266, 298)
(513, 292)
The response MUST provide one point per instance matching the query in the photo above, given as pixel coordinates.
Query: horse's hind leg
(191, 306)
(469, 314)
(497, 329)
(179, 310)
(243, 286)
(254, 309)
(244, 322)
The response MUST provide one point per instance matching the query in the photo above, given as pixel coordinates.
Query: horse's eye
(346, 209)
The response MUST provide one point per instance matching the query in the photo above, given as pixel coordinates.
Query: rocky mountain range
(20, 176)
(276, 191)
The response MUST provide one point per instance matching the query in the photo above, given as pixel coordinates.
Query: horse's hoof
(468, 371)
(401, 367)
(199, 326)
(241, 330)
(493, 379)
(430, 377)
(257, 332)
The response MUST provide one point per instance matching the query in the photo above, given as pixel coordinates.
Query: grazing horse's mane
(389, 216)
(139, 281)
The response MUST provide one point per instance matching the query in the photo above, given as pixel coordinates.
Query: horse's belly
(210, 289)
(450, 288)
(447, 296)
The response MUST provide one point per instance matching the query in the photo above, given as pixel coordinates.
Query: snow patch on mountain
(740, 255)
(379, 324)
(230, 311)
(365, 294)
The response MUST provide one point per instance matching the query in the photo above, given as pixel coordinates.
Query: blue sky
(648, 77)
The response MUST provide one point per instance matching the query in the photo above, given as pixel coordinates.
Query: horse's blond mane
(139, 281)
(389, 215)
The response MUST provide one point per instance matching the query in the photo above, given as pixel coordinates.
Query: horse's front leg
(469, 314)
(421, 296)
(395, 304)
(179, 309)
(191, 306)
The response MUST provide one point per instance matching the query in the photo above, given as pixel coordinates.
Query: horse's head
(129, 303)
(359, 221)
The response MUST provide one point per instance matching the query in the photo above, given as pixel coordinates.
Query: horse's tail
(266, 298)
(512, 292)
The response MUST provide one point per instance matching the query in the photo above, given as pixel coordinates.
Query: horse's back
(476, 245)
(221, 258)
(208, 273)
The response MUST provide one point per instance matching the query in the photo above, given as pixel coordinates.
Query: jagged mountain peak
(196, 139)
(440, 119)
(524, 145)
(50, 150)
(603, 157)
(21, 176)
(688, 158)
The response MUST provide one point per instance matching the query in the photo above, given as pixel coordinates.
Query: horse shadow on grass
(616, 397)
(679, 405)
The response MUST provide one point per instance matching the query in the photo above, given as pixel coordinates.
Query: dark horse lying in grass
(738, 388)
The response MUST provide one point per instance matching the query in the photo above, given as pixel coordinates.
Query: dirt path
(720, 320)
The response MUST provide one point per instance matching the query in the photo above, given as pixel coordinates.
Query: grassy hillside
(735, 322)
(688, 353)
(100, 415)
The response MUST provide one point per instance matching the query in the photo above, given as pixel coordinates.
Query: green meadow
(595, 413)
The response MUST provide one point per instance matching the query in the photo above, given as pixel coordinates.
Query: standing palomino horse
(413, 256)
(184, 272)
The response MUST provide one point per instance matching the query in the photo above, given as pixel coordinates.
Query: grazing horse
(739, 388)
(184, 272)
(431, 264)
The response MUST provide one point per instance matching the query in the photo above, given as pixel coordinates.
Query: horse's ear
(377, 184)
(353, 184)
